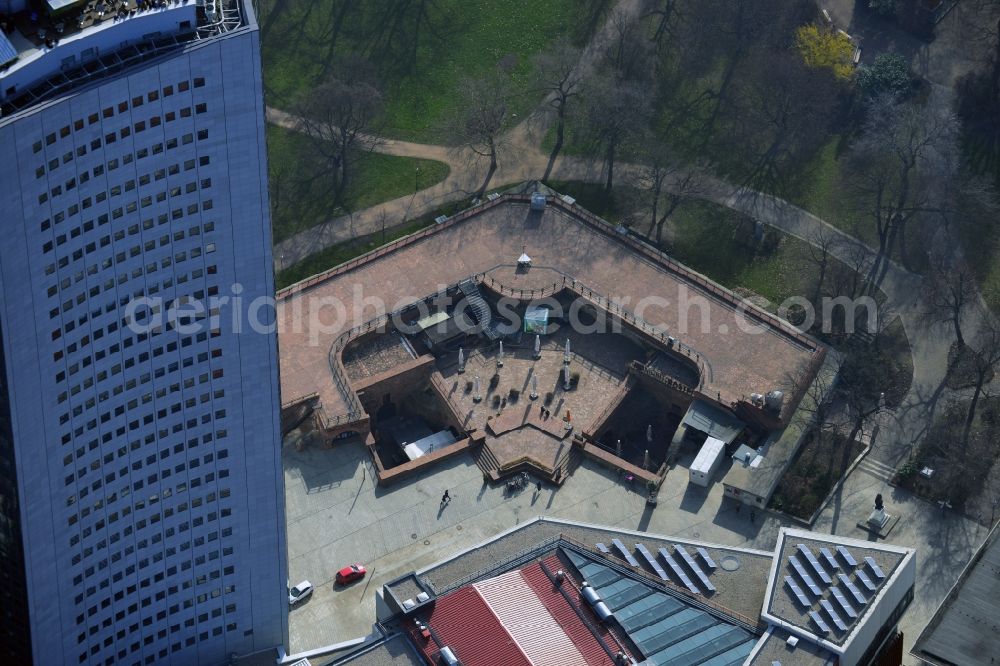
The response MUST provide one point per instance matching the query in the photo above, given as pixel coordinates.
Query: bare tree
(779, 117)
(341, 117)
(903, 168)
(668, 14)
(558, 75)
(616, 112)
(952, 290)
(482, 121)
(628, 55)
(665, 183)
(986, 359)
(820, 243)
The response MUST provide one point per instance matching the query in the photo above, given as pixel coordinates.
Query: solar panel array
(848, 595)
(846, 554)
(814, 563)
(870, 561)
(845, 605)
(830, 560)
(652, 561)
(707, 559)
(837, 622)
(818, 619)
(804, 575)
(695, 567)
(852, 588)
(626, 553)
(797, 591)
(677, 571)
(866, 581)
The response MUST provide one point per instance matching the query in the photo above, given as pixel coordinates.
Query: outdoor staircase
(479, 309)
(486, 461)
(567, 464)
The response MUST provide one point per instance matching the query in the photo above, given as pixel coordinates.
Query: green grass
(419, 68)
(819, 190)
(301, 200)
(339, 254)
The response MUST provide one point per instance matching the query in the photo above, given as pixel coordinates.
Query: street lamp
(416, 180)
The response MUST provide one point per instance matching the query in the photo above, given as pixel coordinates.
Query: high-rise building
(141, 496)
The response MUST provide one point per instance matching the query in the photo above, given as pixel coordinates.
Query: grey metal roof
(965, 627)
(666, 630)
(7, 50)
(714, 421)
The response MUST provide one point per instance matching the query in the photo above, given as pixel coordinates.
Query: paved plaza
(336, 516)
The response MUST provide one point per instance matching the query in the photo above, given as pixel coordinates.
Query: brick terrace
(565, 238)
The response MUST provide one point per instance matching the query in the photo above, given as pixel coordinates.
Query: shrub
(823, 48)
(549, 397)
(513, 395)
(468, 387)
(494, 381)
(496, 401)
(888, 73)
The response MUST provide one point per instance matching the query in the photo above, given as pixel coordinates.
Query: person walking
(446, 497)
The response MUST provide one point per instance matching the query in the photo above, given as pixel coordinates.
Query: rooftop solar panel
(677, 571)
(626, 553)
(828, 607)
(846, 554)
(690, 561)
(814, 563)
(866, 581)
(707, 558)
(820, 624)
(797, 591)
(876, 569)
(804, 575)
(843, 602)
(852, 589)
(7, 50)
(830, 560)
(648, 556)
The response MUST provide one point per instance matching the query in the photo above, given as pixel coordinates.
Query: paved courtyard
(336, 516)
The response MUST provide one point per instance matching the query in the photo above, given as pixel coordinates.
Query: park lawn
(300, 199)
(420, 68)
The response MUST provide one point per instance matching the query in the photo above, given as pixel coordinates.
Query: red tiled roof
(463, 621)
(516, 619)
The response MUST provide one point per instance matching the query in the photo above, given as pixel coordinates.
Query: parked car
(351, 573)
(299, 592)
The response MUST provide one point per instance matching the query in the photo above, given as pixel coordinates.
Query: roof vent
(408, 604)
(560, 577)
(792, 641)
(594, 599)
(422, 597)
(448, 657)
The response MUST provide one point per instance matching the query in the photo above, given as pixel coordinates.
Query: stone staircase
(486, 461)
(479, 309)
(567, 464)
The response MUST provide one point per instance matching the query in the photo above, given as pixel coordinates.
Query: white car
(299, 592)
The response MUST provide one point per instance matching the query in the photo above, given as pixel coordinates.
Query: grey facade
(147, 458)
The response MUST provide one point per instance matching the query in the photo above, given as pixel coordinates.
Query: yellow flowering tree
(822, 48)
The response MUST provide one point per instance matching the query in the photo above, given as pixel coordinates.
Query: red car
(351, 574)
